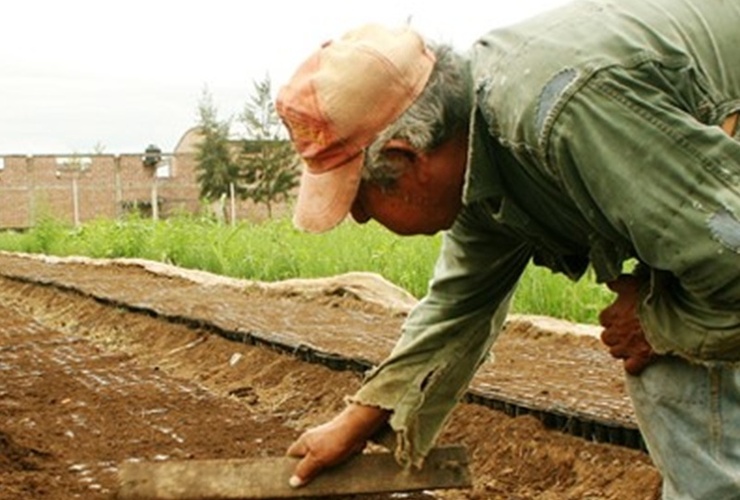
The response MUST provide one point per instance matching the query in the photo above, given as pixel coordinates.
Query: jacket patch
(726, 229)
(550, 94)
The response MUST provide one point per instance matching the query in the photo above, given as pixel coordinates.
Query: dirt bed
(87, 382)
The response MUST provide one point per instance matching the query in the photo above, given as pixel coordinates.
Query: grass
(274, 251)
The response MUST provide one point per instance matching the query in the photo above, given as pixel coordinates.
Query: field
(107, 361)
(274, 250)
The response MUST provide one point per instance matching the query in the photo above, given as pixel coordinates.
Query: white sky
(76, 74)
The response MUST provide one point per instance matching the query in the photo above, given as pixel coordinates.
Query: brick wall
(32, 187)
(106, 185)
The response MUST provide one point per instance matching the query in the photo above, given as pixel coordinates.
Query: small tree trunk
(232, 196)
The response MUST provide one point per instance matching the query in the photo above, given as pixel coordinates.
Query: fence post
(31, 191)
(117, 183)
(232, 196)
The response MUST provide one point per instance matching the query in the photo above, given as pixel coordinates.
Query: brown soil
(105, 362)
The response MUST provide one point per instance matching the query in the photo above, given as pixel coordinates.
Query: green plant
(268, 163)
(274, 250)
(217, 170)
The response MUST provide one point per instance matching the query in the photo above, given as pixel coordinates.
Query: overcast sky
(76, 75)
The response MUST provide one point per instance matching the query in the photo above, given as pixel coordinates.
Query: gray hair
(442, 109)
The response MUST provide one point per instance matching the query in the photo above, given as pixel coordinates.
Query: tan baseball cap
(337, 102)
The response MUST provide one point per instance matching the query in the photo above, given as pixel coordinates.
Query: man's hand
(335, 441)
(622, 329)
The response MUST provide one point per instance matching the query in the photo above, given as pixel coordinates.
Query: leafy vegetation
(268, 163)
(217, 170)
(274, 250)
(261, 166)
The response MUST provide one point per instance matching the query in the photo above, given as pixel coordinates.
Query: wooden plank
(445, 467)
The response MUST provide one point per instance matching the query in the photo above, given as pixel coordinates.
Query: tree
(268, 163)
(216, 166)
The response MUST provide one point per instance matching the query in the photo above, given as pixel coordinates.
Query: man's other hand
(334, 442)
(623, 332)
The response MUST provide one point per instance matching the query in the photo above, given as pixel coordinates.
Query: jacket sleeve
(447, 335)
(647, 172)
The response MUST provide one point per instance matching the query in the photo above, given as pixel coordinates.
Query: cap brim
(325, 199)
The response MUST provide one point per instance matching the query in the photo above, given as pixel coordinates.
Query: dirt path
(87, 383)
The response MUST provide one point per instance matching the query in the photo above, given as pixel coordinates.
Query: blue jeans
(689, 416)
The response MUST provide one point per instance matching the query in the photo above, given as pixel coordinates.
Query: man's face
(426, 198)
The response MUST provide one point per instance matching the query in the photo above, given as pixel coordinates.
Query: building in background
(81, 187)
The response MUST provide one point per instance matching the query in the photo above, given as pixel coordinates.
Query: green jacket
(595, 140)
